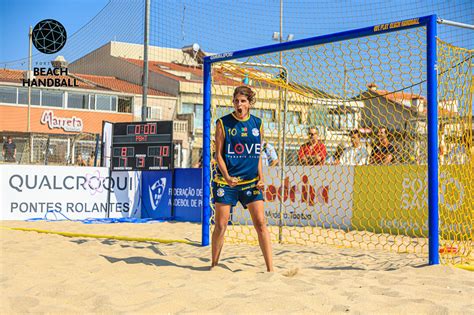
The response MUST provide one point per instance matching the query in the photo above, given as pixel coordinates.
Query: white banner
(312, 196)
(65, 192)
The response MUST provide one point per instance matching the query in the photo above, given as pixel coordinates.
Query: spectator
(198, 164)
(9, 150)
(460, 153)
(356, 154)
(91, 160)
(312, 152)
(382, 153)
(442, 144)
(80, 161)
(335, 159)
(269, 155)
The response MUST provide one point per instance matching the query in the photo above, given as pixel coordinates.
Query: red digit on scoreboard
(140, 161)
(152, 129)
(146, 129)
(137, 129)
(166, 150)
(158, 161)
(123, 162)
(124, 151)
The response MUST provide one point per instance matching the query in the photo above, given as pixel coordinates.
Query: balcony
(180, 130)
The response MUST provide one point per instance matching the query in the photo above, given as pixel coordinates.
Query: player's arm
(261, 182)
(274, 156)
(389, 157)
(219, 139)
(302, 156)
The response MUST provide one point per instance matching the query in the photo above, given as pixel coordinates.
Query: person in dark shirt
(383, 153)
(9, 150)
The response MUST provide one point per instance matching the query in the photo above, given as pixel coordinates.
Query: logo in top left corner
(49, 36)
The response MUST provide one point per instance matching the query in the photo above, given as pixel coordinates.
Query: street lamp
(276, 37)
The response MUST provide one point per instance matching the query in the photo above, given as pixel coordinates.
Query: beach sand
(49, 273)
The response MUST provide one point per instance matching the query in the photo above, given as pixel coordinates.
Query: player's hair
(245, 91)
(354, 132)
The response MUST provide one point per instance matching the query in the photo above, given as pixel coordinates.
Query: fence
(54, 149)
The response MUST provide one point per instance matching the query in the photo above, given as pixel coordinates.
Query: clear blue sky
(228, 25)
(17, 16)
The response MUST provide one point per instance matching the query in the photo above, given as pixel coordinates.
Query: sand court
(49, 273)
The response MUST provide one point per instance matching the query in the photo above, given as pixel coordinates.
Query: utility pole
(145, 60)
(30, 38)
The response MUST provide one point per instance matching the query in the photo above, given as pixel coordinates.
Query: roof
(169, 70)
(86, 81)
(403, 99)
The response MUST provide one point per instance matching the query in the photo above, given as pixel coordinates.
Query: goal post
(328, 84)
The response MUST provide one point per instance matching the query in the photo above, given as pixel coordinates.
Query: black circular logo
(49, 36)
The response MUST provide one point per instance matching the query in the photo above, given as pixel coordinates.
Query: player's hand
(260, 185)
(232, 181)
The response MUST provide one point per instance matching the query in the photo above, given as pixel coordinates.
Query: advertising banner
(131, 195)
(188, 194)
(312, 196)
(74, 193)
(394, 199)
(156, 194)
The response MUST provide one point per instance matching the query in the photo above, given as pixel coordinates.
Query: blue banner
(156, 194)
(187, 199)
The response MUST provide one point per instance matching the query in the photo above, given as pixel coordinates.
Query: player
(239, 138)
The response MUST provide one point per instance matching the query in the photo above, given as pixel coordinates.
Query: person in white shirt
(269, 155)
(461, 153)
(356, 154)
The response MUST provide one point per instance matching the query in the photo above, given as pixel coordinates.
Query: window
(102, 102)
(8, 95)
(198, 112)
(114, 103)
(187, 108)
(293, 118)
(318, 116)
(267, 115)
(197, 109)
(76, 100)
(92, 101)
(153, 113)
(124, 104)
(23, 96)
(52, 98)
(35, 97)
(223, 110)
(343, 120)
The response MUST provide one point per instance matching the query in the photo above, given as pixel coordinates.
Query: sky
(18, 15)
(217, 25)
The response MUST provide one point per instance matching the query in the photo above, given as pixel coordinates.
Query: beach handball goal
(391, 105)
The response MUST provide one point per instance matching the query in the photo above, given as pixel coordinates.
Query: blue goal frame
(430, 22)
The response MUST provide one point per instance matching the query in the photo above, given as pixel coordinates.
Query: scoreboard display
(142, 146)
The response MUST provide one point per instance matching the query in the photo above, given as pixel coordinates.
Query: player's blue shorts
(231, 195)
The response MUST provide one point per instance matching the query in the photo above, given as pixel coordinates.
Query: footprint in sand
(291, 272)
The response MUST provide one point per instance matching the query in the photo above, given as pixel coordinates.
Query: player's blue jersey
(242, 147)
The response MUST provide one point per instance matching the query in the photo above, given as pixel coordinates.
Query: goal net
(346, 121)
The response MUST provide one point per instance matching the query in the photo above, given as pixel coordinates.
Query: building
(69, 118)
(178, 72)
(405, 116)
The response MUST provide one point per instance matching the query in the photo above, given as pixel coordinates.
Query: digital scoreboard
(142, 146)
